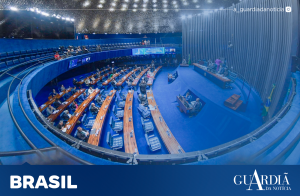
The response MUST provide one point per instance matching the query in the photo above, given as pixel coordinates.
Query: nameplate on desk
(42, 106)
(74, 96)
(61, 93)
(77, 114)
(68, 126)
(93, 131)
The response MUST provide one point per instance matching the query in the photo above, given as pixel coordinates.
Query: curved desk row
(113, 77)
(77, 114)
(151, 80)
(93, 75)
(120, 83)
(128, 129)
(65, 104)
(100, 78)
(165, 133)
(51, 100)
(96, 131)
(137, 79)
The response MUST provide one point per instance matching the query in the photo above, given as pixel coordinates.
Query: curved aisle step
(128, 129)
(165, 133)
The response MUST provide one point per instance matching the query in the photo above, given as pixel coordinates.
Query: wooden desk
(219, 80)
(89, 77)
(233, 102)
(165, 133)
(151, 80)
(50, 101)
(137, 79)
(100, 78)
(129, 141)
(120, 83)
(113, 77)
(182, 107)
(98, 124)
(62, 107)
(77, 114)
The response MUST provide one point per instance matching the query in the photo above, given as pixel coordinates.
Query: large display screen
(86, 60)
(138, 51)
(170, 50)
(73, 63)
(160, 50)
(144, 51)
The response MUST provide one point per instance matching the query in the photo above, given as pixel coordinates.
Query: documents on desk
(64, 130)
(151, 107)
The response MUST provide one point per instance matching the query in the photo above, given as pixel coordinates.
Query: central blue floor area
(214, 125)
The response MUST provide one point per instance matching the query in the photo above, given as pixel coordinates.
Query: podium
(233, 102)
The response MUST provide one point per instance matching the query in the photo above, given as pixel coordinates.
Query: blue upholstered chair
(120, 104)
(118, 112)
(115, 141)
(88, 122)
(153, 142)
(147, 125)
(117, 126)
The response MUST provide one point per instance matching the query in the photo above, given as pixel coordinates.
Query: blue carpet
(215, 124)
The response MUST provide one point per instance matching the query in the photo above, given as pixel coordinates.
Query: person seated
(133, 75)
(143, 86)
(54, 93)
(56, 56)
(175, 75)
(98, 48)
(73, 105)
(79, 49)
(66, 115)
(170, 77)
(196, 105)
(94, 108)
(62, 88)
(85, 50)
(99, 100)
(113, 82)
(57, 103)
(73, 90)
(143, 99)
(212, 67)
(90, 91)
(188, 97)
(76, 83)
(60, 125)
(50, 109)
(87, 82)
(82, 97)
(82, 134)
(131, 79)
(68, 54)
(184, 62)
(225, 74)
(221, 70)
(218, 63)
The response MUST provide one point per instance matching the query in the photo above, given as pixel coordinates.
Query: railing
(130, 158)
